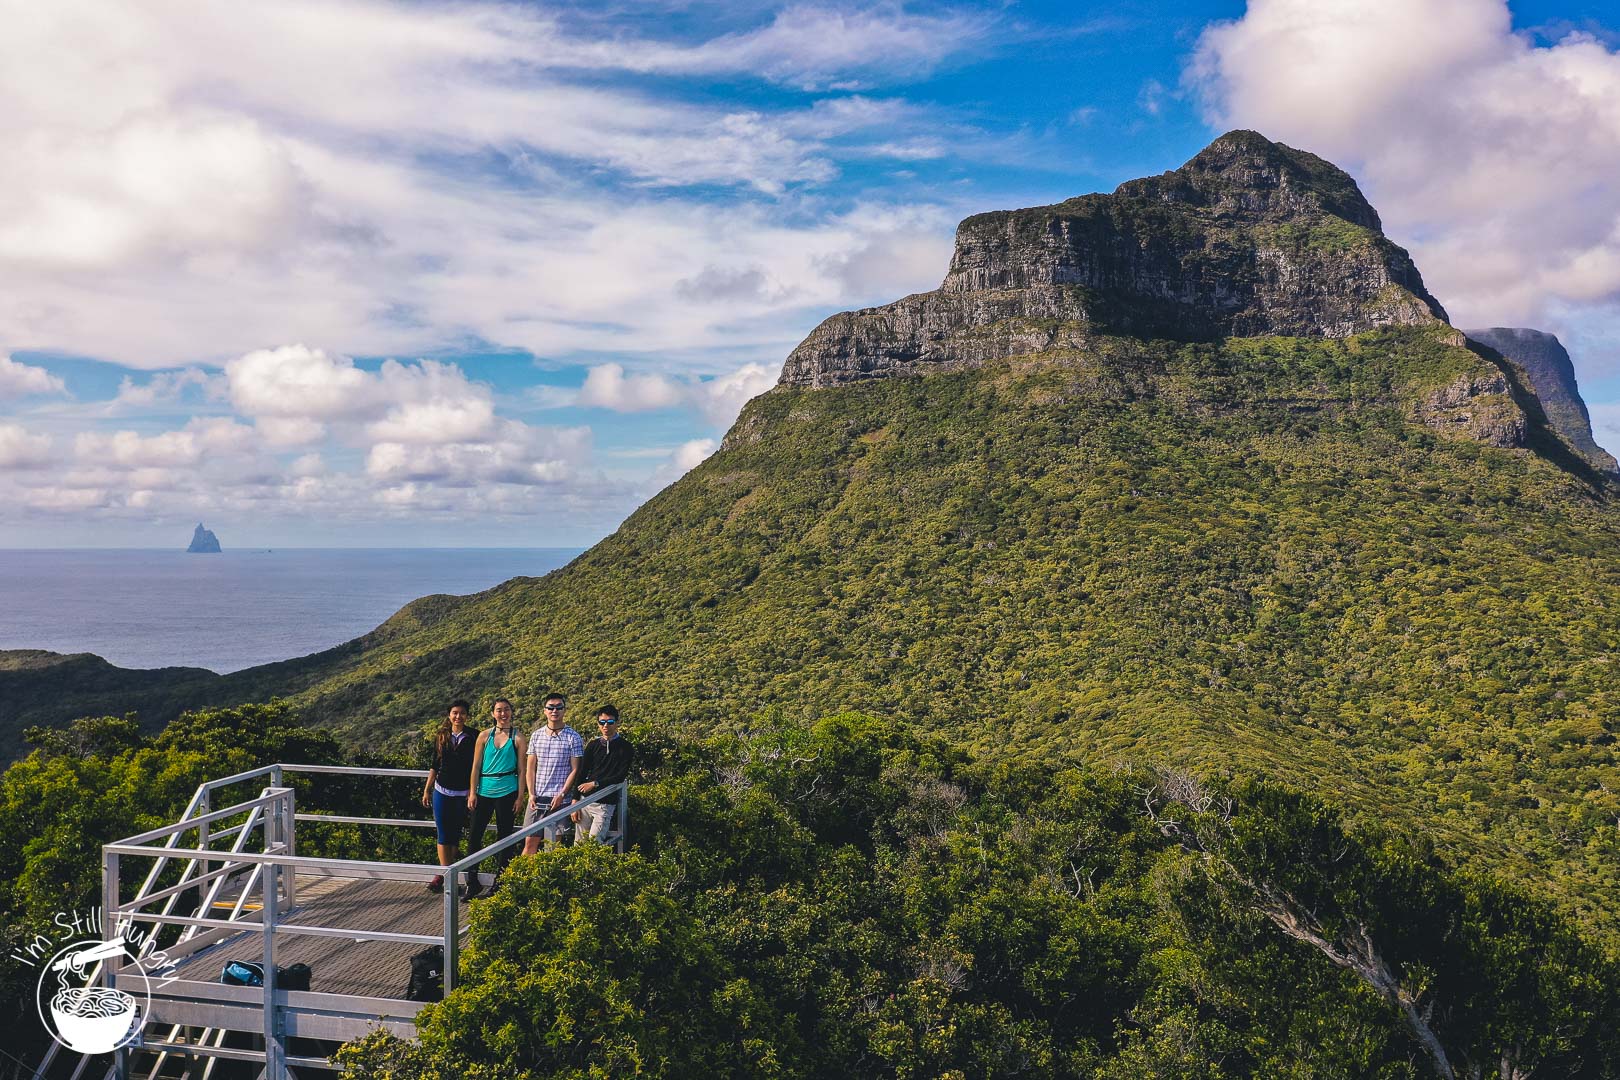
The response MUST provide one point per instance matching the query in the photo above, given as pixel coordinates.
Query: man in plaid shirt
(553, 763)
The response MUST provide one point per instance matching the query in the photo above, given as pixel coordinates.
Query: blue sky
(507, 269)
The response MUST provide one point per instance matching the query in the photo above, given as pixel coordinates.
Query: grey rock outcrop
(1248, 238)
(1544, 367)
(1478, 407)
(203, 542)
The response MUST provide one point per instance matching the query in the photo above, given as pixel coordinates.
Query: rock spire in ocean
(203, 542)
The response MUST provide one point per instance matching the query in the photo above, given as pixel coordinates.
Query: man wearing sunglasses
(554, 758)
(607, 762)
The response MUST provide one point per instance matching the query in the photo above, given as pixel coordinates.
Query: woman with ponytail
(497, 787)
(449, 785)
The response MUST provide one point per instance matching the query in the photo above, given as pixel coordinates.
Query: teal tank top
(500, 768)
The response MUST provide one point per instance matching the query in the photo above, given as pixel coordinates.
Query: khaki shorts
(556, 832)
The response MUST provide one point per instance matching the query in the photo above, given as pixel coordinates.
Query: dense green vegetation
(848, 899)
(1245, 555)
(851, 898)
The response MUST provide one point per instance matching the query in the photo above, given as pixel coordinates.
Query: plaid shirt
(554, 754)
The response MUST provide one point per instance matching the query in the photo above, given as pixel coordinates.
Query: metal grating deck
(354, 968)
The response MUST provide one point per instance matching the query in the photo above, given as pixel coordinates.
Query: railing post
(452, 933)
(111, 931)
(275, 1054)
(203, 829)
(289, 837)
(624, 816)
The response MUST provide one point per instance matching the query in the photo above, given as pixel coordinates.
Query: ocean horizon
(162, 607)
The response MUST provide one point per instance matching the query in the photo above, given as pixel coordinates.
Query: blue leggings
(449, 817)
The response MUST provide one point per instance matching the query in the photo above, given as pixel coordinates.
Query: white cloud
(297, 381)
(66, 499)
(21, 449)
(723, 397)
(608, 387)
(513, 454)
(130, 449)
(180, 187)
(810, 46)
(435, 422)
(223, 435)
(293, 392)
(289, 431)
(689, 455)
(1490, 156)
(20, 380)
(165, 386)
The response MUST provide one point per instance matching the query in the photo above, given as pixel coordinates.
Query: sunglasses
(555, 708)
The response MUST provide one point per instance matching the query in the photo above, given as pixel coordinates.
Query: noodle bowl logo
(78, 1006)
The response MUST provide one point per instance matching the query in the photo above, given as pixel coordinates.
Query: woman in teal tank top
(497, 787)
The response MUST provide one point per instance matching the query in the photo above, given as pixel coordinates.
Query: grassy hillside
(1238, 555)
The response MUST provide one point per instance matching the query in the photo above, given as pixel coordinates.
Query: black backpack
(427, 975)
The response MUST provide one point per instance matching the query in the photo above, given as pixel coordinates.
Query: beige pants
(594, 822)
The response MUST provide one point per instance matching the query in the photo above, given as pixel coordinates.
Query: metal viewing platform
(356, 923)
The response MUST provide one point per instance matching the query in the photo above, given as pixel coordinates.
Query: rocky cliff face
(1249, 238)
(1544, 366)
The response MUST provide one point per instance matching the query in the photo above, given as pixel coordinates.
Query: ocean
(237, 609)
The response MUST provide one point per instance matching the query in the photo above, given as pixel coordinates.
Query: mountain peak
(1243, 173)
(1249, 238)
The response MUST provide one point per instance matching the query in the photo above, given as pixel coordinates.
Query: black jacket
(453, 767)
(607, 761)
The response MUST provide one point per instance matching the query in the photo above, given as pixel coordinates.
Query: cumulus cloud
(294, 391)
(678, 462)
(1490, 155)
(21, 449)
(718, 399)
(689, 455)
(289, 431)
(466, 464)
(608, 387)
(722, 398)
(20, 380)
(130, 449)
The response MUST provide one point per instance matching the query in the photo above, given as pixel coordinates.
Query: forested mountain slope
(1196, 472)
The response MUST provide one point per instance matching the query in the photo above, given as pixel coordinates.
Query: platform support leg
(275, 1050)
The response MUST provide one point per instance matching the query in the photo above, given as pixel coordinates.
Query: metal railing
(271, 874)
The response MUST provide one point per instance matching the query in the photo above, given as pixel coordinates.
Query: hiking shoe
(472, 890)
(437, 884)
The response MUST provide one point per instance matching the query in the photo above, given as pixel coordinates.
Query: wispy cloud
(180, 188)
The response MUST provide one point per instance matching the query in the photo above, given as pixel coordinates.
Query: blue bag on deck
(241, 973)
(246, 973)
